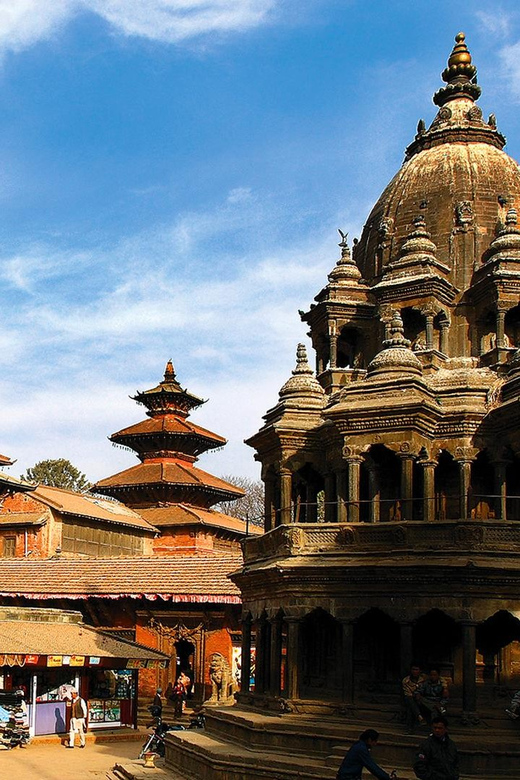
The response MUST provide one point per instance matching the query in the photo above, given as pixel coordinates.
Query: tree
(250, 509)
(57, 473)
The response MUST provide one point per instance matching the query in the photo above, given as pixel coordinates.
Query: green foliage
(57, 473)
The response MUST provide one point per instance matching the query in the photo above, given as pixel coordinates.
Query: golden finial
(460, 75)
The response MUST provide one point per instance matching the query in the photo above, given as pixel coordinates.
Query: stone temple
(392, 476)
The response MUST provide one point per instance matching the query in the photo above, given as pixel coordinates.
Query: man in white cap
(78, 718)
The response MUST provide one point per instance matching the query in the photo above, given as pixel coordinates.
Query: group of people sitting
(425, 695)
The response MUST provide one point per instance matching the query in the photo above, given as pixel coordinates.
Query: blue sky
(172, 174)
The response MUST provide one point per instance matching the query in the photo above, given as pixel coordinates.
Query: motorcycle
(155, 741)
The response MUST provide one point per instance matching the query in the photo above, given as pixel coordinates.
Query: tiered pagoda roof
(167, 444)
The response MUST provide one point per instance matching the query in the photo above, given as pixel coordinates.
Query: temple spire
(460, 75)
(169, 373)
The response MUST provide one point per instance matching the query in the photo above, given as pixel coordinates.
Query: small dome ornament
(506, 246)
(345, 268)
(302, 382)
(396, 355)
(460, 75)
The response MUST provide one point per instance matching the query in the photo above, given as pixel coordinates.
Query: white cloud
(510, 56)
(24, 22)
(497, 23)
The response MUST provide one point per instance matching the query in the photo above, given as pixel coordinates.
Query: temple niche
(392, 473)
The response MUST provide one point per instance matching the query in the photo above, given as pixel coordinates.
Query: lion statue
(222, 686)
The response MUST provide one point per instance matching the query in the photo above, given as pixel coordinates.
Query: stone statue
(222, 686)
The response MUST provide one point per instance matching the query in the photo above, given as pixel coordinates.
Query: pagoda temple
(166, 488)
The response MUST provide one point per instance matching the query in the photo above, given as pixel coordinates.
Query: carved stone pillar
(443, 337)
(269, 502)
(500, 327)
(469, 683)
(374, 490)
(330, 497)
(406, 485)
(320, 365)
(464, 486)
(275, 670)
(333, 342)
(500, 490)
(428, 489)
(429, 331)
(347, 654)
(285, 497)
(354, 470)
(293, 657)
(341, 495)
(245, 663)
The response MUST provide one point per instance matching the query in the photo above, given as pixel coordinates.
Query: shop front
(46, 653)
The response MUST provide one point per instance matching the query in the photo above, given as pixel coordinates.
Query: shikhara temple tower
(392, 477)
(166, 488)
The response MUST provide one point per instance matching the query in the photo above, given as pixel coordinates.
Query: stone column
(262, 656)
(333, 342)
(245, 663)
(275, 670)
(330, 498)
(293, 657)
(500, 490)
(443, 337)
(429, 331)
(406, 654)
(286, 516)
(406, 485)
(469, 683)
(269, 502)
(428, 489)
(341, 495)
(464, 486)
(320, 365)
(500, 327)
(347, 654)
(354, 468)
(374, 490)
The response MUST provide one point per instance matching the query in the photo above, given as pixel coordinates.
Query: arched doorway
(436, 638)
(376, 648)
(498, 646)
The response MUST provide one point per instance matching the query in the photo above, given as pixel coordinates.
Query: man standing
(410, 685)
(78, 718)
(437, 758)
(359, 756)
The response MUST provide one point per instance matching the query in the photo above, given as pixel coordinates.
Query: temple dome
(455, 173)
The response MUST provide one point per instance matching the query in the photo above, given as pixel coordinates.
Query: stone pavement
(54, 762)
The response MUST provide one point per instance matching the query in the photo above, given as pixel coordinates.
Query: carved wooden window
(9, 548)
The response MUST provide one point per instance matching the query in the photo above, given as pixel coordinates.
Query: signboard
(54, 660)
(32, 659)
(94, 660)
(77, 660)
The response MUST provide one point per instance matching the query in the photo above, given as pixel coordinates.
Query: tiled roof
(185, 514)
(83, 505)
(168, 423)
(9, 481)
(49, 638)
(178, 578)
(5, 461)
(23, 518)
(169, 472)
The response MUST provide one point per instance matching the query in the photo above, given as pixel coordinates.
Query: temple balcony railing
(409, 538)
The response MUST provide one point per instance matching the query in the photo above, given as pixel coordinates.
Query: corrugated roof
(23, 518)
(179, 578)
(82, 505)
(50, 638)
(169, 472)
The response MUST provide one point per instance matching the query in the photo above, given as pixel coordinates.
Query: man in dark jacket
(359, 756)
(437, 758)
